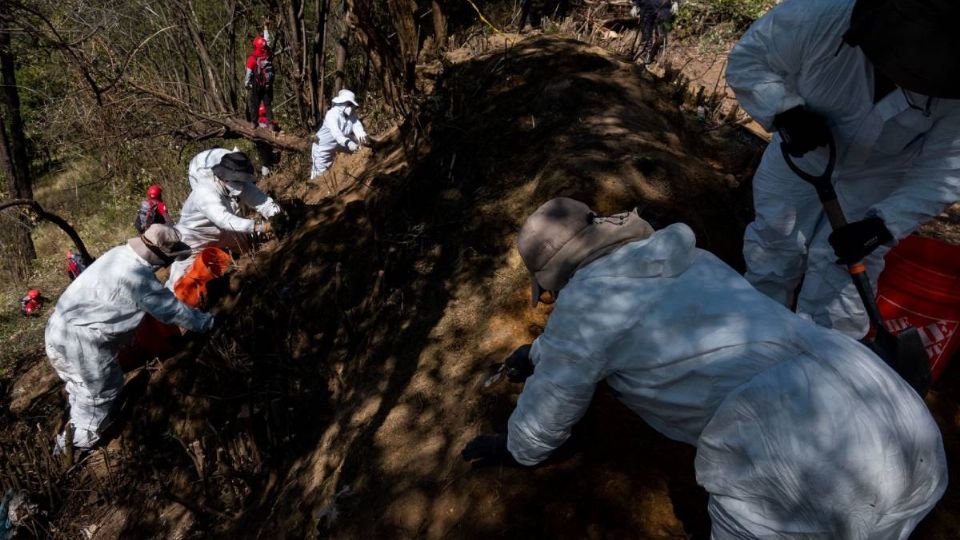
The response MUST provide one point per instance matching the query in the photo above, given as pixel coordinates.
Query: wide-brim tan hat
(160, 245)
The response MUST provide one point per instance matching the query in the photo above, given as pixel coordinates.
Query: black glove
(856, 240)
(802, 130)
(518, 365)
(486, 450)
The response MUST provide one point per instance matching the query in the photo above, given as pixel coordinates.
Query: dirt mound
(335, 400)
(390, 304)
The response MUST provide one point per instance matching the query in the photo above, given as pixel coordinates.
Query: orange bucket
(920, 287)
(191, 289)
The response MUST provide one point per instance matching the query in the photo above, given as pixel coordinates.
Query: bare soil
(336, 399)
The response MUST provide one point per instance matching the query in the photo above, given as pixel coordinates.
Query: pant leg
(256, 95)
(788, 214)
(87, 363)
(828, 296)
(322, 159)
(266, 97)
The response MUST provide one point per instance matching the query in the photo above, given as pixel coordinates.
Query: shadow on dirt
(346, 379)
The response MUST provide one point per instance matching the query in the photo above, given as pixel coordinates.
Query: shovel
(904, 352)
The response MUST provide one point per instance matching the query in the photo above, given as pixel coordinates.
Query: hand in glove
(856, 240)
(361, 138)
(635, 11)
(518, 364)
(263, 228)
(486, 450)
(352, 146)
(802, 130)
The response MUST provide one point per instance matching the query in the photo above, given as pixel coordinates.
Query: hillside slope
(336, 399)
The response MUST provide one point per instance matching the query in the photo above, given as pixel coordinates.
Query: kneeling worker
(800, 430)
(99, 312)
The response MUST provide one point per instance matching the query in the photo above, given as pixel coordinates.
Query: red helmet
(259, 43)
(154, 191)
(263, 110)
(33, 294)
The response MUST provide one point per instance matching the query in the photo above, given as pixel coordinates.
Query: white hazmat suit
(95, 316)
(339, 125)
(799, 429)
(898, 159)
(210, 216)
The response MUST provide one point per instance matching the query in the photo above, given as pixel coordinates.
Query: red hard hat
(263, 110)
(33, 294)
(259, 43)
(154, 191)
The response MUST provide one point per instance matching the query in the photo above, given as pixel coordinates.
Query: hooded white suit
(898, 159)
(95, 316)
(799, 429)
(210, 216)
(333, 137)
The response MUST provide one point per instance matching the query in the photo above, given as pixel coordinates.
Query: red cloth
(254, 56)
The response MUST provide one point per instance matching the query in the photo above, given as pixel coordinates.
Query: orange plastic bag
(210, 264)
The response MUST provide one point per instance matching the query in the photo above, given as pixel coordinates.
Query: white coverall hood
(97, 314)
(898, 157)
(687, 344)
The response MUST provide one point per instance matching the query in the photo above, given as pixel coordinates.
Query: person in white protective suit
(99, 312)
(341, 131)
(881, 77)
(222, 183)
(800, 430)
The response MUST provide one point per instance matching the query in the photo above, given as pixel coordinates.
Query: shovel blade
(905, 353)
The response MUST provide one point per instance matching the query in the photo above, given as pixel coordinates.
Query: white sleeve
(358, 129)
(254, 198)
(764, 65)
(161, 303)
(331, 122)
(223, 218)
(553, 400)
(248, 77)
(931, 184)
(266, 36)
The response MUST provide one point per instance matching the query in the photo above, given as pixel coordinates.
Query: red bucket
(920, 287)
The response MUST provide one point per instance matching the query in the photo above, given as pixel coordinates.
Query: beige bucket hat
(160, 245)
(564, 235)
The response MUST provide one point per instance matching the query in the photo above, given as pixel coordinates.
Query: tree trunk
(439, 25)
(403, 14)
(318, 96)
(342, 50)
(13, 152)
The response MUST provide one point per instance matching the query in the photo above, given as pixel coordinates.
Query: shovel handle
(831, 207)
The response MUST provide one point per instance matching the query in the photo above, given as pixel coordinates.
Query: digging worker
(99, 312)
(882, 78)
(341, 131)
(222, 185)
(259, 77)
(800, 430)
